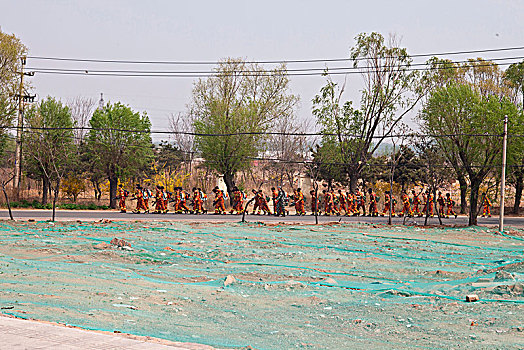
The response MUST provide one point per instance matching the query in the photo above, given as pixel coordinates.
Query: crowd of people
(325, 202)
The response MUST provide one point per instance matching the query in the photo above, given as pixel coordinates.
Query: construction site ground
(268, 285)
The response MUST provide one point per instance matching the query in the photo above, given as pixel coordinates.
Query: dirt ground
(270, 286)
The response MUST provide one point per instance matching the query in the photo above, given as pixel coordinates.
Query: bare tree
(7, 174)
(390, 92)
(394, 160)
(181, 127)
(82, 109)
(288, 149)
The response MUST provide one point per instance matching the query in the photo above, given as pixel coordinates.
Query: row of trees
(461, 112)
(460, 115)
(118, 144)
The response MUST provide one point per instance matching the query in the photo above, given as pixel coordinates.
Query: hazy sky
(261, 30)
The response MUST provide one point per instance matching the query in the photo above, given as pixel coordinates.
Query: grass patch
(70, 206)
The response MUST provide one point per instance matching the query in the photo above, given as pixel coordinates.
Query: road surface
(94, 215)
(20, 334)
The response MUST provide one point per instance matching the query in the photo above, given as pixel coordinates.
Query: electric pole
(19, 128)
(503, 175)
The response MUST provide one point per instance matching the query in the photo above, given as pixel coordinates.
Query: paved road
(114, 215)
(23, 334)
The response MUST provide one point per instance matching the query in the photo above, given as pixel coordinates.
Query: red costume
(262, 202)
(416, 203)
(197, 202)
(140, 204)
(486, 206)
(406, 207)
(122, 195)
(299, 202)
(449, 206)
(441, 204)
(159, 201)
(220, 208)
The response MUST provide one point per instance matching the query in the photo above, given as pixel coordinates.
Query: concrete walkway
(19, 334)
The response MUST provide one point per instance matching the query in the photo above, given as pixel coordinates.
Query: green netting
(296, 286)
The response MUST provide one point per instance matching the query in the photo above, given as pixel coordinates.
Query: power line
(320, 70)
(487, 60)
(349, 70)
(262, 61)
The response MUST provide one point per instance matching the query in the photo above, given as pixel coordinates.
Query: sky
(156, 30)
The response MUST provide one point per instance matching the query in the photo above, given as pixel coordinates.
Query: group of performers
(161, 199)
(354, 204)
(327, 202)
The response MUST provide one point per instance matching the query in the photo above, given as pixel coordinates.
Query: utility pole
(503, 176)
(20, 124)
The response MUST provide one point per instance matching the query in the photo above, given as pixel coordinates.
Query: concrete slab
(17, 334)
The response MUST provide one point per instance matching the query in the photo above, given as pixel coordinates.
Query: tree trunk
(113, 183)
(518, 192)
(45, 189)
(315, 186)
(7, 202)
(230, 183)
(473, 202)
(55, 197)
(463, 192)
(98, 191)
(353, 182)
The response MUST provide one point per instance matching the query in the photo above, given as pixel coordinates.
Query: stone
(330, 281)
(102, 245)
(294, 284)
(504, 276)
(472, 298)
(397, 292)
(120, 242)
(229, 280)
(516, 289)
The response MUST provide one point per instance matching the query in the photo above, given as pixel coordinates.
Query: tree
(484, 77)
(168, 155)
(408, 169)
(82, 109)
(182, 138)
(435, 171)
(72, 186)
(471, 125)
(238, 102)
(119, 142)
(514, 76)
(389, 94)
(11, 50)
(328, 163)
(50, 150)
(288, 150)
(7, 170)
